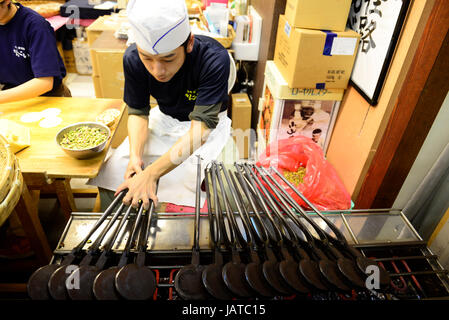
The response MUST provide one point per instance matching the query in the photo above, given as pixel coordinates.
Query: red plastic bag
(321, 186)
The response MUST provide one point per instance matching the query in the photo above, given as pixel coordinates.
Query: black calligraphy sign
(379, 23)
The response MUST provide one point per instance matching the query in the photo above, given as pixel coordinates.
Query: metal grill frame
(418, 242)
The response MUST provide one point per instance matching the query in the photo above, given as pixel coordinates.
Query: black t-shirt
(201, 81)
(28, 50)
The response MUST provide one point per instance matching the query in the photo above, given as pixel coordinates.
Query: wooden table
(44, 155)
(45, 167)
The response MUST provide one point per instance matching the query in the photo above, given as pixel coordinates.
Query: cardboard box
(280, 89)
(97, 86)
(322, 14)
(110, 74)
(104, 23)
(241, 123)
(315, 59)
(107, 65)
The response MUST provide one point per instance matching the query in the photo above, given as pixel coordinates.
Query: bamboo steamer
(10, 202)
(12, 188)
(6, 168)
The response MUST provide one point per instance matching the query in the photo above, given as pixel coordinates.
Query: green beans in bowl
(83, 140)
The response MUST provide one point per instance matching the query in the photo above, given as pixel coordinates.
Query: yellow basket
(227, 42)
(6, 168)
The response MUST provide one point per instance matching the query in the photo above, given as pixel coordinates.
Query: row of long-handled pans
(271, 253)
(78, 278)
(277, 254)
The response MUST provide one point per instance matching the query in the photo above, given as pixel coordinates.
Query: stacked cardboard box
(313, 47)
(107, 65)
(106, 53)
(313, 61)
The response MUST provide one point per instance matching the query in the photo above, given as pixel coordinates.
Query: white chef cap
(158, 26)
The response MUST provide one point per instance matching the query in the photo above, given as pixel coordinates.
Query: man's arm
(137, 133)
(30, 89)
(181, 150)
(143, 186)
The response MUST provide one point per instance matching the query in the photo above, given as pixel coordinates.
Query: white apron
(177, 186)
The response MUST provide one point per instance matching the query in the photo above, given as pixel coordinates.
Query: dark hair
(186, 42)
(316, 131)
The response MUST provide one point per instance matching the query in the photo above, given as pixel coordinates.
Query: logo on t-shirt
(20, 52)
(191, 95)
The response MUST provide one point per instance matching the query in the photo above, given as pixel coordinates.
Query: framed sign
(379, 23)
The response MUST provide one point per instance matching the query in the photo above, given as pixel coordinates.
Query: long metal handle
(238, 237)
(213, 223)
(243, 212)
(323, 236)
(221, 224)
(277, 213)
(114, 235)
(261, 234)
(262, 203)
(287, 210)
(196, 241)
(129, 241)
(292, 235)
(332, 226)
(239, 208)
(98, 223)
(96, 244)
(136, 226)
(144, 242)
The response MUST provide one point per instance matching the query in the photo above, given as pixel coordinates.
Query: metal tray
(173, 232)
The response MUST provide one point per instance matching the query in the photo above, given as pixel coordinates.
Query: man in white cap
(188, 76)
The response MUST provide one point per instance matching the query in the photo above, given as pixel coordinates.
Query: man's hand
(141, 186)
(135, 166)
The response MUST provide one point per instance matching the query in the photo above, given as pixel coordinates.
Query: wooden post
(65, 196)
(27, 211)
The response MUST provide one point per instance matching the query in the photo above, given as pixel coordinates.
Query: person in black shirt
(31, 65)
(188, 76)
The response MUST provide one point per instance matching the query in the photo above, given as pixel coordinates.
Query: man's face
(165, 65)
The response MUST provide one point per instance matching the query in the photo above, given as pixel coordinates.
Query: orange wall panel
(359, 126)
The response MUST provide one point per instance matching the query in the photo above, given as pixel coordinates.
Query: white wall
(434, 144)
(440, 246)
